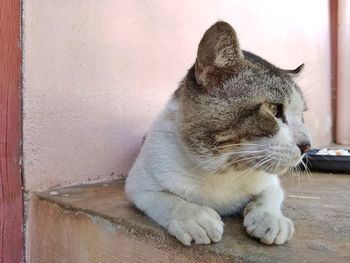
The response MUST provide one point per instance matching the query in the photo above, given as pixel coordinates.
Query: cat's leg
(186, 221)
(263, 217)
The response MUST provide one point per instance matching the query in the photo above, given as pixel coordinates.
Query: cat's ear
(218, 54)
(294, 72)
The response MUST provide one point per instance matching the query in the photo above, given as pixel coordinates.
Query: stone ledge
(96, 223)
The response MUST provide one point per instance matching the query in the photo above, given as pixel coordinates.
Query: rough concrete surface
(96, 223)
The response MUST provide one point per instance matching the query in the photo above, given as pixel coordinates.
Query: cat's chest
(227, 192)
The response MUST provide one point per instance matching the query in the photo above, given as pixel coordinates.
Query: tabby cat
(234, 124)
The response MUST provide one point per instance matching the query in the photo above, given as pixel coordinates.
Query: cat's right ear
(218, 55)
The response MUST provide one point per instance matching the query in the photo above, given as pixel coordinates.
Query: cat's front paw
(268, 226)
(195, 223)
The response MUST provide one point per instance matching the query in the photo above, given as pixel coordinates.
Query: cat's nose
(304, 147)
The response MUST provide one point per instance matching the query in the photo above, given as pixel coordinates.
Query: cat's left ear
(218, 55)
(294, 72)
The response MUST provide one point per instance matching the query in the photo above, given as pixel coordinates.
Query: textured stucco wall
(97, 72)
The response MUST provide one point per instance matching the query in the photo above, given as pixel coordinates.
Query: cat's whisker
(257, 165)
(236, 160)
(241, 153)
(248, 158)
(215, 143)
(277, 165)
(291, 174)
(268, 165)
(307, 172)
(297, 169)
(266, 161)
(238, 144)
(263, 158)
(245, 172)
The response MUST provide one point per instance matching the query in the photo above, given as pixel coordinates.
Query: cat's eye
(276, 110)
(273, 108)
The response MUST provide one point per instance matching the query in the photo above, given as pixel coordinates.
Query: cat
(234, 124)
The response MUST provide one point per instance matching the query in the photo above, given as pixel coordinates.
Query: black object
(329, 163)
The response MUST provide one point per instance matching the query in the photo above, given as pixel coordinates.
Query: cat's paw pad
(269, 227)
(199, 224)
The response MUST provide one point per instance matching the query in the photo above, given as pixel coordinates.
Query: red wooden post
(11, 200)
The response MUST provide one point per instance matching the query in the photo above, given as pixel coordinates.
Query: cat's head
(237, 110)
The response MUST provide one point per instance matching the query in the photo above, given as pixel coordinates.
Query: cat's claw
(199, 224)
(268, 226)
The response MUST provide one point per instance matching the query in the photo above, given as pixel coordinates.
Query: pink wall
(97, 72)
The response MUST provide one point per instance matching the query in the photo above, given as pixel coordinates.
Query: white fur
(186, 197)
